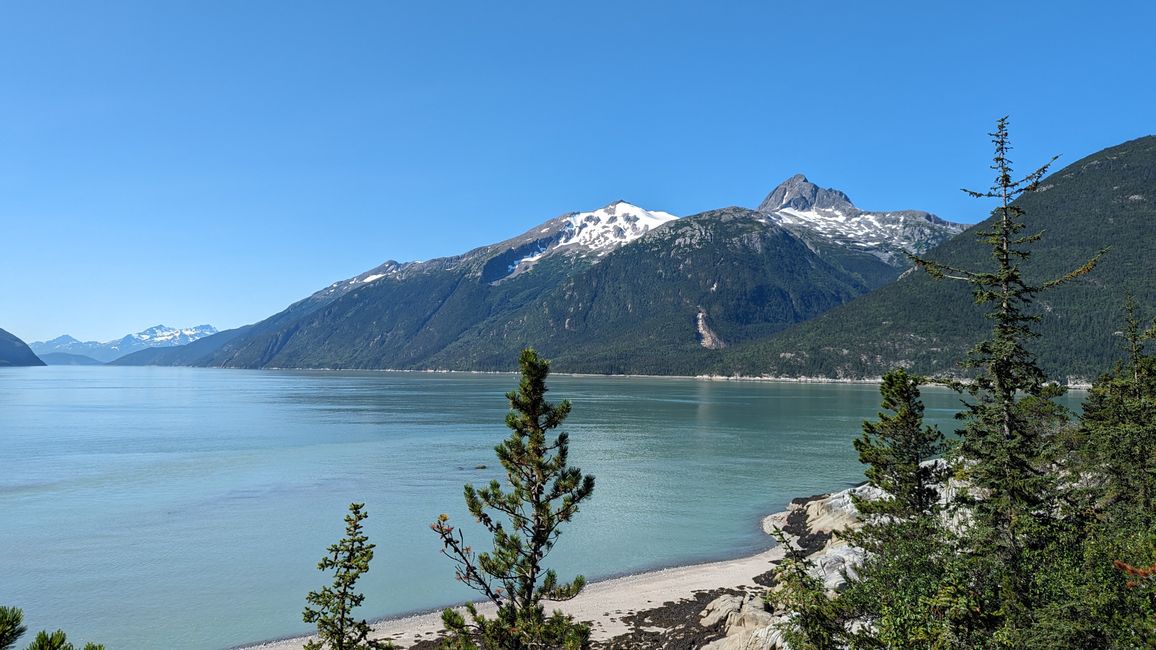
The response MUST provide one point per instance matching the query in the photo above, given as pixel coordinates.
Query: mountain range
(618, 289)
(158, 336)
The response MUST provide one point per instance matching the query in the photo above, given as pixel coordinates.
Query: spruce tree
(332, 607)
(895, 447)
(902, 533)
(543, 492)
(1004, 449)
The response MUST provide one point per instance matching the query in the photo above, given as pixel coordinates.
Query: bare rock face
(720, 609)
(764, 638)
(751, 616)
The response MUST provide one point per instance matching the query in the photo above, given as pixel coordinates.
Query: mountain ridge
(14, 352)
(103, 352)
(468, 311)
(1106, 199)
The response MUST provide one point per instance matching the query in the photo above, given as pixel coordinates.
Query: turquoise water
(187, 508)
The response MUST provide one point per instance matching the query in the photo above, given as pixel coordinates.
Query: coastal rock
(838, 511)
(835, 564)
(752, 615)
(720, 609)
(763, 638)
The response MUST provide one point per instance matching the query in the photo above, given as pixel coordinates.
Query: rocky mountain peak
(798, 193)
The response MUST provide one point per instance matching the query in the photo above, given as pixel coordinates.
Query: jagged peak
(798, 193)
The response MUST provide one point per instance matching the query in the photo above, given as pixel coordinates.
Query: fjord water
(187, 508)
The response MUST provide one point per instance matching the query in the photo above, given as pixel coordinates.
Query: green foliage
(12, 628)
(1004, 447)
(331, 609)
(1119, 425)
(816, 622)
(1052, 534)
(57, 641)
(903, 534)
(1103, 200)
(543, 492)
(894, 448)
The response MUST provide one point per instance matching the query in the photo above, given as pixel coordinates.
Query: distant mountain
(65, 359)
(618, 289)
(1107, 199)
(14, 352)
(158, 336)
(819, 214)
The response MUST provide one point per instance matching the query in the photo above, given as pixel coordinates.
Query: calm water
(187, 508)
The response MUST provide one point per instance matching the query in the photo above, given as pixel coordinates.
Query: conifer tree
(895, 447)
(332, 607)
(1119, 422)
(1004, 441)
(543, 492)
(11, 626)
(902, 533)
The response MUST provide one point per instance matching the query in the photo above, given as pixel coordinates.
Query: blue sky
(211, 162)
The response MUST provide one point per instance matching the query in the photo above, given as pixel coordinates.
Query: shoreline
(603, 603)
(1081, 384)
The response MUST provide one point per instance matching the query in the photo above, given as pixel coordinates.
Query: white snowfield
(603, 230)
(866, 229)
(160, 334)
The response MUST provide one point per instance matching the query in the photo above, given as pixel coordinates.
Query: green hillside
(637, 311)
(1107, 199)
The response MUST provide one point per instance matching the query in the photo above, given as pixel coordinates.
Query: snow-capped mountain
(157, 336)
(807, 209)
(598, 232)
(586, 235)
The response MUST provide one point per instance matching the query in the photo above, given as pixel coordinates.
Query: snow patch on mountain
(162, 336)
(612, 226)
(154, 337)
(802, 207)
(599, 231)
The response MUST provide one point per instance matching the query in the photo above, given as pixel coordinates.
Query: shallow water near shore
(187, 508)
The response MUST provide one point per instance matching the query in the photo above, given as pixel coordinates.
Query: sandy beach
(604, 604)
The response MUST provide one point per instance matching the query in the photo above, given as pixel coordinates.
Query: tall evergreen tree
(543, 493)
(332, 607)
(1007, 423)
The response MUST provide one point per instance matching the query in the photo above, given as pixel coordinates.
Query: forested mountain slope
(1107, 199)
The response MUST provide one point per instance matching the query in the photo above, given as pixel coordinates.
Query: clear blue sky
(211, 162)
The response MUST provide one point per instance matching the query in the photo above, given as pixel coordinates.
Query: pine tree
(11, 626)
(1005, 438)
(543, 493)
(902, 534)
(895, 448)
(332, 607)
